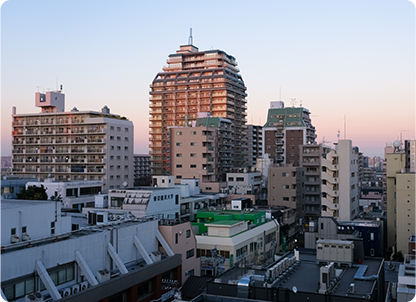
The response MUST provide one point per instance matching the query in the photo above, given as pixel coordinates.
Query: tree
(56, 198)
(33, 193)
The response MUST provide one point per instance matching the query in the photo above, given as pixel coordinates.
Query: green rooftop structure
(227, 218)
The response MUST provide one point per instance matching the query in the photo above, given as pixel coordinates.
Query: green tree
(56, 198)
(33, 193)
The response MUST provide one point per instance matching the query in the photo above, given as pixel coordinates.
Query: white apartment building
(25, 220)
(244, 183)
(340, 192)
(72, 145)
(113, 260)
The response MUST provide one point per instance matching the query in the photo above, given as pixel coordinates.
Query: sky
(344, 60)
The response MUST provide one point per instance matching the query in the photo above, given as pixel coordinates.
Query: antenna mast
(345, 126)
(190, 42)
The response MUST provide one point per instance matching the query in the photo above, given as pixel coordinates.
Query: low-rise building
(26, 220)
(113, 261)
(73, 194)
(228, 238)
(141, 170)
(11, 185)
(301, 277)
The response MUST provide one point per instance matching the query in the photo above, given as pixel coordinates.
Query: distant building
(72, 145)
(340, 190)
(141, 166)
(286, 129)
(11, 185)
(196, 81)
(254, 144)
(203, 152)
(6, 162)
(244, 183)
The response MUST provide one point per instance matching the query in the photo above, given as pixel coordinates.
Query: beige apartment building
(285, 187)
(196, 81)
(203, 152)
(181, 239)
(73, 145)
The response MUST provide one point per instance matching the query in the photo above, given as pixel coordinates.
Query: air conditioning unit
(74, 289)
(14, 239)
(25, 237)
(83, 285)
(156, 256)
(34, 297)
(103, 275)
(65, 292)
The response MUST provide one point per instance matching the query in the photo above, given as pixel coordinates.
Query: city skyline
(350, 59)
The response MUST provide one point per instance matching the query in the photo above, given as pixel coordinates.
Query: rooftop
(18, 203)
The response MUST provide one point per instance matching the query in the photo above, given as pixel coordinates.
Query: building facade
(196, 81)
(75, 145)
(286, 129)
(141, 168)
(254, 144)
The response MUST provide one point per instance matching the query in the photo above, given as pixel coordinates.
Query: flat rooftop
(18, 203)
(306, 276)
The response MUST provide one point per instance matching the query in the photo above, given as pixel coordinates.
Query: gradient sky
(340, 57)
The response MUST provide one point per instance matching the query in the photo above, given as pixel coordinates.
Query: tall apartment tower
(75, 145)
(340, 190)
(286, 129)
(196, 81)
(254, 144)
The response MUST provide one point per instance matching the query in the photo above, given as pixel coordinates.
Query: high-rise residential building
(196, 81)
(254, 144)
(141, 167)
(340, 191)
(400, 196)
(286, 129)
(74, 145)
(203, 152)
(310, 159)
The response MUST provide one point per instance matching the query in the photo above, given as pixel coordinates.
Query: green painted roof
(287, 117)
(225, 222)
(213, 122)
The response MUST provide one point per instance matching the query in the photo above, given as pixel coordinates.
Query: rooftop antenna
(345, 126)
(190, 42)
(38, 88)
(338, 135)
(56, 83)
(293, 101)
(300, 103)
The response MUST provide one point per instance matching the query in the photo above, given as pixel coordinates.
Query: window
(193, 166)
(144, 289)
(193, 132)
(285, 186)
(118, 128)
(239, 179)
(111, 157)
(176, 199)
(230, 178)
(193, 154)
(126, 157)
(193, 144)
(111, 176)
(126, 129)
(118, 148)
(284, 174)
(118, 157)
(190, 253)
(178, 154)
(179, 133)
(126, 139)
(126, 148)
(111, 127)
(178, 176)
(285, 198)
(176, 238)
(111, 138)
(178, 166)
(24, 229)
(188, 233)
(191, 273)
(13, 231)
(178, 144)
(111, 147)
(52, 227)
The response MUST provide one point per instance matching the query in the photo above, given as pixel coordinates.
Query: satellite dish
(295, 289)
(125, 184)
(396, 144)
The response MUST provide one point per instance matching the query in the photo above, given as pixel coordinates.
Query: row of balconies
(56, 170)
(43, 121)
